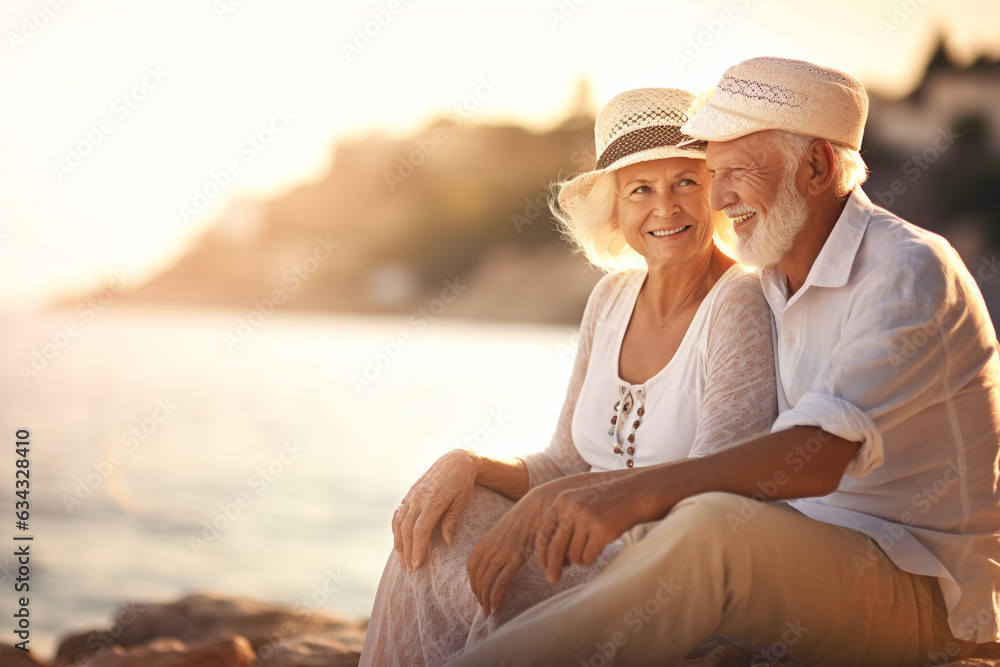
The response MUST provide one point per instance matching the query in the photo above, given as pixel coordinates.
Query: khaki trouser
(784, 581)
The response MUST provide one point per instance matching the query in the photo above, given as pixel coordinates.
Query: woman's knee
(484, 509)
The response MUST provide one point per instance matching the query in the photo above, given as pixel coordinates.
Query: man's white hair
(849, 170)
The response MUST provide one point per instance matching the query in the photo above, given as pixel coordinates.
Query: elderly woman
(675, 360)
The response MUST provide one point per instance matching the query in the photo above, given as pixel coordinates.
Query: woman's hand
(437, 498)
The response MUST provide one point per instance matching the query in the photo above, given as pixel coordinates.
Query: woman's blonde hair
(588, 225)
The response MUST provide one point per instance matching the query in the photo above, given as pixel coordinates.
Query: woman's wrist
(472, 457)
(508, 477)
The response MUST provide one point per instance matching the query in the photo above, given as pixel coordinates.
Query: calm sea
(174, 451)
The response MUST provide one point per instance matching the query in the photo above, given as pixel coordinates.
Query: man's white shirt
(889, 343)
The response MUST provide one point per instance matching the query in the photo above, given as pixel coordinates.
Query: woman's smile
(660, 233)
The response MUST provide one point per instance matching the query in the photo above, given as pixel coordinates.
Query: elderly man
(888, 551)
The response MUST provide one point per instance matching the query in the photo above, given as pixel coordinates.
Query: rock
(315, 651)
(74, 645)
(722, 656)
(201, 616)
(169, 652)
(15, 657)
(717, 651)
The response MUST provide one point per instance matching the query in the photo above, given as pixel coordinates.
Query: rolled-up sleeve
(890, 363)
(843, 419)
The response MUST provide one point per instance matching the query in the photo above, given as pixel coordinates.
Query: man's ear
(820, 163)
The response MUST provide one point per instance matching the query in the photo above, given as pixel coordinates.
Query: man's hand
(501, 552)
(581, 522)
(504, 550)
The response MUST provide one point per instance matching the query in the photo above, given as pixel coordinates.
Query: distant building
(947, 93)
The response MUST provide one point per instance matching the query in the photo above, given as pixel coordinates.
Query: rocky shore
(203, 630)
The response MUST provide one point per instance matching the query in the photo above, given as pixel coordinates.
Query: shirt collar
(832, 267)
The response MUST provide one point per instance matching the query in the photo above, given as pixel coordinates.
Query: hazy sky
(115, 114)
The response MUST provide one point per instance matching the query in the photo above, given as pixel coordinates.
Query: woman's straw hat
(636, 126)
(780, 94)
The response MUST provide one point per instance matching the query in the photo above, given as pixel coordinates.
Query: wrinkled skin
(500, 553)
(580, 522)
(435, 500)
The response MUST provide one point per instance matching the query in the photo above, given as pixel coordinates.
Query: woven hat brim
(712, 123)
(582, 184)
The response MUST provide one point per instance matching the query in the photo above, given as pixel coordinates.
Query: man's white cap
(780, 94)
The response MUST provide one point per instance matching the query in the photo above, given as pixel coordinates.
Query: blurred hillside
(458, 202)
(461, 210)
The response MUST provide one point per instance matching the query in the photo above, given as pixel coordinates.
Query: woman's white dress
(718, 389)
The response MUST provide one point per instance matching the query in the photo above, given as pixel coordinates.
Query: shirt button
(790, 340)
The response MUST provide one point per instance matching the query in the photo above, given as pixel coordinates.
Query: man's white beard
(774, 232)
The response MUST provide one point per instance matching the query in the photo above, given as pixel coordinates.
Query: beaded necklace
(622, 410)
